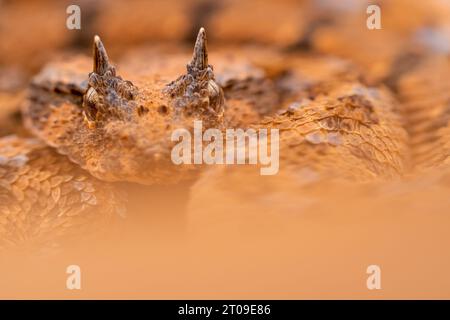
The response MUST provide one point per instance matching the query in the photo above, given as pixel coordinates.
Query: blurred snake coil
(85, 130)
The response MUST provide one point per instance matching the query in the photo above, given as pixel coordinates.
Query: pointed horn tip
(97, 40)
(101, 61)
(202, 33)
(99, 48)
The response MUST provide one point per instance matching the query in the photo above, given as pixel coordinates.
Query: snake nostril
(141, 110)
(162, 109)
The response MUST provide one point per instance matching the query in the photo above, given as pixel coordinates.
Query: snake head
(120, 130)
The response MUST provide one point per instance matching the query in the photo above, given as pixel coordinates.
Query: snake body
(45, 199)
(95, 128)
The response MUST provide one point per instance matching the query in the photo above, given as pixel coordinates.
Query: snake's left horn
(101, 60)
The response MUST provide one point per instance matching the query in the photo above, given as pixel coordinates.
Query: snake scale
(94, 127)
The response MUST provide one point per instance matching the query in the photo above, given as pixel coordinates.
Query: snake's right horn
(200, 56)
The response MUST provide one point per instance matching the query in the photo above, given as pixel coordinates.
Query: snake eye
(213, 88)
(92, 96)
(90, 104)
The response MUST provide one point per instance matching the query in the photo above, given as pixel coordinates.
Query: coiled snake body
(96, 129)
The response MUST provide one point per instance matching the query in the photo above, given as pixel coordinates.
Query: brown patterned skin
(334, 127)
(259, 82)
(352, 131)
(351, 134)
(46, 200)
(117, 124)
(425, 95)
(120, 130)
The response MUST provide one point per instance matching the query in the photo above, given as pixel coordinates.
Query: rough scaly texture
(45, 199)
(120, 130)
